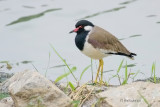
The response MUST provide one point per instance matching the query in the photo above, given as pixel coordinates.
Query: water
(135, 22)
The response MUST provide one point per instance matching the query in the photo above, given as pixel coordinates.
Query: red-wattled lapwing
(98, 43)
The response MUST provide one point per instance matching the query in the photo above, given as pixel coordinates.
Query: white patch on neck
(88, 28)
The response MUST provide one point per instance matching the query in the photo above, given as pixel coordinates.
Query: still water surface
(135, 22)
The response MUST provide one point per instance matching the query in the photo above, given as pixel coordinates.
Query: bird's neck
(80, 39)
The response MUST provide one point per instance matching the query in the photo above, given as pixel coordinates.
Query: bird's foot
(100, 83)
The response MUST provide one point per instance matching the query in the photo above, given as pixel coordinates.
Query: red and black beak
(76, 29)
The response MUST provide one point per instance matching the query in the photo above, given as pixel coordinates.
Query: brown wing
(100, 38)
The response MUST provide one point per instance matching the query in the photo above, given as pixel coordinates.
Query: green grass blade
(113, 76)
(48, 64)
(63, 61)
(132, 73)
(65, 75)
(120, 66)
(85, 69)
(145, 100)
(58, 66)
(76, 103)
(34, 67)
(126, 72)
(126, 75)
(72, 86)
(136, 73)
(155, 73)
(152, 69)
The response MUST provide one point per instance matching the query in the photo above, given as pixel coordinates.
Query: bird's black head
(82, 25)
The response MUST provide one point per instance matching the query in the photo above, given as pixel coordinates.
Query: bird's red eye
(80, 26)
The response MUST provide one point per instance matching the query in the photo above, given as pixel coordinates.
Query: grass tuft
(126, 75)
(4, 95)
(72, 86)
(119, 68)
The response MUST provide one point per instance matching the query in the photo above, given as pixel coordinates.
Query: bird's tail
(131, 56)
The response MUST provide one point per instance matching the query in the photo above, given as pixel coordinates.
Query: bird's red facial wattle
(76, 29)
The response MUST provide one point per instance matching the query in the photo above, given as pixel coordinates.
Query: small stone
(7, 102)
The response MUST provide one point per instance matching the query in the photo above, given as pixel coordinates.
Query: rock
(4, 105)
(29, 88)
(6, 102)
(131, 95)
(4, 86)
(4, 76)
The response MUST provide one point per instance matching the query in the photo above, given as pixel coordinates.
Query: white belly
(93, 53)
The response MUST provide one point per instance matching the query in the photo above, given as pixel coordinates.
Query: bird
(97, 43)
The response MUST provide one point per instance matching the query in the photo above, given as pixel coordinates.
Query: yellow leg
(100, 68)
(101, 80)
(98, 71)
